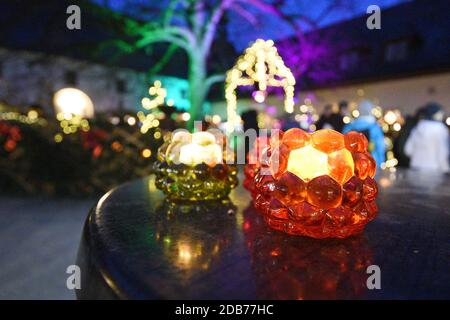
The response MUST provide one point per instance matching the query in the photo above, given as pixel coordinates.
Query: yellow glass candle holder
(193, 167)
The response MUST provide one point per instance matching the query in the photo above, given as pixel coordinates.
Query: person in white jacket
(428, 144)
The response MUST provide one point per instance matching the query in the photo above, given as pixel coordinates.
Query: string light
(259, 96)
(259, 64)
(304, 108)
(26, 119)
(377, 112)
(159, 94)
(185, 116)
(390, 117)
(131, 121)
(32, 114)
(146, 153)
(70, 123)
(216, 119)
(58, 138)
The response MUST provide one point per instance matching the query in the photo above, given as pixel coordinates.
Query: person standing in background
(367, 124)
(288, 122)
(250, 119)
(399, 143)
(329, 120)
(343, 112)
(428, 144)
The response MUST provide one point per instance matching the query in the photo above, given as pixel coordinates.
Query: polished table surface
(138, 245)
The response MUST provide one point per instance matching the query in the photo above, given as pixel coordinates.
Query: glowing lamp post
(73, 107)
(318, 185)
(73, 101)
(192, 167)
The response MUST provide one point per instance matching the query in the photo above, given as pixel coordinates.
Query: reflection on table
(287, 267)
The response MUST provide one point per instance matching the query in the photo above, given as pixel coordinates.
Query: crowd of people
(423, 143)
(366, 123)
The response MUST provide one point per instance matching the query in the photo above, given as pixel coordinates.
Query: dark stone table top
(137, 245)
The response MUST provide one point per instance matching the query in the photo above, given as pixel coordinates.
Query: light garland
(150, 120)
(70, 123)
(158, 92)
(31, 117)
(260, 64)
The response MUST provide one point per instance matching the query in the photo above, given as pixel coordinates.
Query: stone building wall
(32, 78)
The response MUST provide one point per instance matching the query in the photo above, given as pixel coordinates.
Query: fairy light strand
(259, 64)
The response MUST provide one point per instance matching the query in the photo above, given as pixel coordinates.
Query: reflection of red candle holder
(301, 268)
(318, 185)
(254, 162)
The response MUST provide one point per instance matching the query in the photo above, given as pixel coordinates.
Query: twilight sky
(240, 32)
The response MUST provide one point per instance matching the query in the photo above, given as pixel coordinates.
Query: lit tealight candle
(308, 163)
(192, 154)
(191, 167)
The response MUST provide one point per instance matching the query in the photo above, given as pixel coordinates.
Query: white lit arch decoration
(260, 64)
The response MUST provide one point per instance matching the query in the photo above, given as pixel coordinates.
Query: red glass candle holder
(318, 185)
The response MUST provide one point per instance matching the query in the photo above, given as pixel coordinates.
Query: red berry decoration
(319, 185)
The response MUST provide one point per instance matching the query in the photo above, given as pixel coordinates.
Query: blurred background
(84, 107)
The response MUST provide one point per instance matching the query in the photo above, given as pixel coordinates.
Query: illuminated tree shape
(159, 94)
(260, 64)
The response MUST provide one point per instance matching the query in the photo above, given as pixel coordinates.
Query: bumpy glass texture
(192, 167)
(321, 184)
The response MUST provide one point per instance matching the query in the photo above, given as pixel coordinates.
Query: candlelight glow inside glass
(193, 167)
(319, 185)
